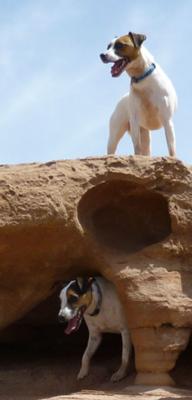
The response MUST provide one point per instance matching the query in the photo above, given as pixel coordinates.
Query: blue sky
(56, 96)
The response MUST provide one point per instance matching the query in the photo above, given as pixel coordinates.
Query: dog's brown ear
(137, 39)
(84, 283)
(80, 282)
(90, 281)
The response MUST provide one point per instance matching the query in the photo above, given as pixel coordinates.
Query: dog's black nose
(103, 58)
(61, 319)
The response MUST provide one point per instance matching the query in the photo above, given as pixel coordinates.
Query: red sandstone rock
(126, 218)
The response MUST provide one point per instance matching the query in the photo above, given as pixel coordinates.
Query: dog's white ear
(137, 39)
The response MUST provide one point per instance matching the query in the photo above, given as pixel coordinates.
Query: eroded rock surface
(128, 219)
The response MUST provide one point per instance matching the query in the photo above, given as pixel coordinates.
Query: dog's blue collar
(147, 72)
(99, 300)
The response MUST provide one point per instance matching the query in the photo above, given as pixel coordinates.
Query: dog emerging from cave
(95, 300)
(152, 99)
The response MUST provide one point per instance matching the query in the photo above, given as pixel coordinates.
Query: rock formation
(128, 219)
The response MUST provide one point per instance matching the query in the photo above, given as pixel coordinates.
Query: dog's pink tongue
(113, 70)
(72, 325)
(116, 68)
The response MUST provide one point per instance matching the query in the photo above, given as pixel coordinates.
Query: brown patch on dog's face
(85, 299)
(128, 46)
(72, 297)
(125, 48)
(76, 300)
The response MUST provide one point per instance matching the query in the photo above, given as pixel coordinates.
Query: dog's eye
(72, 298)
(109, 45)
(119, 46)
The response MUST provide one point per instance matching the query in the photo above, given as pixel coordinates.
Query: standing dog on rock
(152, 99)
(95, 300)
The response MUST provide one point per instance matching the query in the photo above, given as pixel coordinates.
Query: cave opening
(37, 356)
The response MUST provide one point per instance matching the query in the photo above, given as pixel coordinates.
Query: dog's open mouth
(118, 67)
(75, 322)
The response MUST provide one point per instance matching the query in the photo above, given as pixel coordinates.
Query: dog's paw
(117, 376)
(82, 374)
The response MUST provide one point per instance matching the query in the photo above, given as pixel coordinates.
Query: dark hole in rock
(182, 373)
(124, 216)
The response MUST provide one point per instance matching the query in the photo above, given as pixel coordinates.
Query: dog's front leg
(145, 142)
(118, 125)
(93, 343)
(126, 348)
(114, 137)
(170, 136)
(135, 135)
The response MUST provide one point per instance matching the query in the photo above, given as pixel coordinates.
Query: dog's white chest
(148, 109)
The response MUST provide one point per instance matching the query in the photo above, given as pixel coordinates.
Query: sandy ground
(48, 370)
(40, 376)
(130, 393)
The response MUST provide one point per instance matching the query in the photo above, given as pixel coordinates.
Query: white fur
(65, 311)
(149, 105)
(110, 319)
